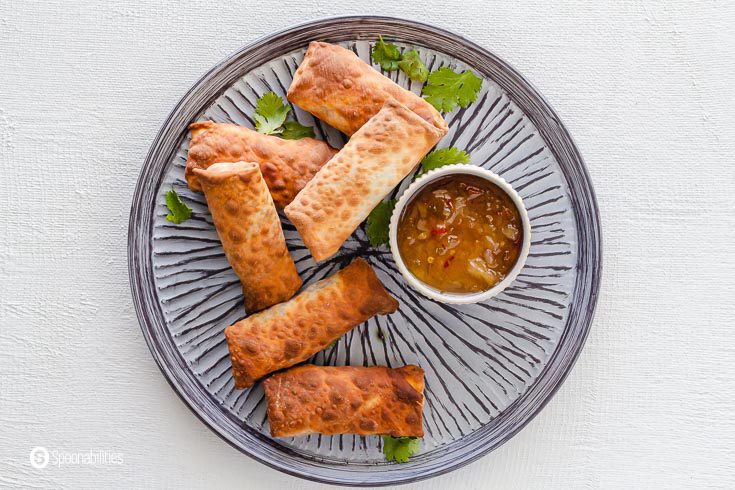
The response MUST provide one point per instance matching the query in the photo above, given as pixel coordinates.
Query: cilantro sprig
(293, 130)
(270, 114)
(446, 156)
(387, 55)
(446, 89)
(270, 118)
(378, 221)
(413, 67)
(179, 211)
(400, 449)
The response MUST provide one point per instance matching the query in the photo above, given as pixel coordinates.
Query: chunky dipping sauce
(460, 234)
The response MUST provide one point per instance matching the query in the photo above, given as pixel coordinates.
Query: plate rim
(143, 299)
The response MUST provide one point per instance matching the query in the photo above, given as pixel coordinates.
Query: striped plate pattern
(482, 361)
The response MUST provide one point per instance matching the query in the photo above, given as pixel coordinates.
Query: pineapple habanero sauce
(460, 234)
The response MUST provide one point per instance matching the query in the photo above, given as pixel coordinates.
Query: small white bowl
(419, 184)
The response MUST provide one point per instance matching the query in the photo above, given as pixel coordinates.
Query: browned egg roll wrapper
(248, 226)
(339, 88)
(287, 165)
(291, 332)
(350, 185)
(346, 400)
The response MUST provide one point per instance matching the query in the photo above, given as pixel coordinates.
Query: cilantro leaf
(447, 89)
(270, 114)
(387, 55)
(446, 156)
(270, 118)
(399, 449)
(413, 67)
(180, 212)
(378, 221)
(292, 130)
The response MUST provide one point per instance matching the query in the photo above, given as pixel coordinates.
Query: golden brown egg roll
(291, 332)
(339, 88)
(342, 194)
(286, 165)
(248, 226)
(346, 400)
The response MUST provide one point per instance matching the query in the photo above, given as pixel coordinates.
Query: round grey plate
(490, 367)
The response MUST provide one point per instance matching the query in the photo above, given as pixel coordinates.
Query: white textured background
(646, 89)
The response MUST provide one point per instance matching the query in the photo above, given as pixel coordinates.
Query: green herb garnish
(270, 114)
(387, 55)
(293, 130)
(179, 211)
(446, 156)
(270, 118)
(378, 221)
(399, 449)
(413, 67)
(446, 89)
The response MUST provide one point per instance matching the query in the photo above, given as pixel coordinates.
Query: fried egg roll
(248, 226)
(286, 165)
(342, 194)
(346, 400)
(291, 332)
(339, 88)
